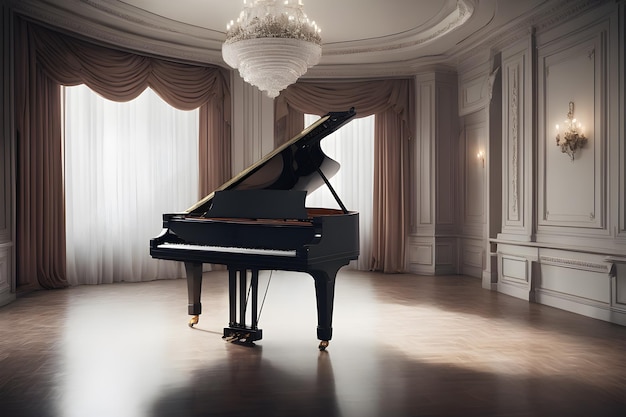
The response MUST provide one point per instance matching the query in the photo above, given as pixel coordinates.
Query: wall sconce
(572, 138)
(481, 157)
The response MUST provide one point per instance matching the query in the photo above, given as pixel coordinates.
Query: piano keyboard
(246, 251)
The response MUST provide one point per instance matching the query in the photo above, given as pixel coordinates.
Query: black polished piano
(258, 221)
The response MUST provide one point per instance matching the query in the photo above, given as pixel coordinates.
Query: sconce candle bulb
(481, 156)
(573, 138)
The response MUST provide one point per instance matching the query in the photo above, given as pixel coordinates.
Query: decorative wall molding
(547, 16)
(474, 90)
(421, 254)
(618, 282)
(473, 256)
(422, 195)
(5, 270)
(618, 132)
(576, 264)
(431, 242)
(514, 111)
(474, 210)
(572, 194)
(565, 11)
(518, 140)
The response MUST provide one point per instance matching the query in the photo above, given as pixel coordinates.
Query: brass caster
(323, 345)
(193, 320)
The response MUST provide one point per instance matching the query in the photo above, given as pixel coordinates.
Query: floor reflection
(402, 346)
(248, 384)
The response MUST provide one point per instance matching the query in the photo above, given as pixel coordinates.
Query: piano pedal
(243, 336)
(229, 339)
(244, 340)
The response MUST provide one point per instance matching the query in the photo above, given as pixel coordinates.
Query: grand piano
(258, 221)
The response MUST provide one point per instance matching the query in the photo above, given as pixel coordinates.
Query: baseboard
(584, 307)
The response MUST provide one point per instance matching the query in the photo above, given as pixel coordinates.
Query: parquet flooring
(403, 345)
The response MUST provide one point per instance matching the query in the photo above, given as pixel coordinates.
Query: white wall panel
(618, 284)
(474, 89)
(5, 270)
(571, 191)
(446, 143)
(426, 97)
(474, 139)
(517, 141)
(431, 242)
(514, 269)
(446, 259)
(575, 283)
(474, 178)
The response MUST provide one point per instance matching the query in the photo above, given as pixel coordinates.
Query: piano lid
(295, 165)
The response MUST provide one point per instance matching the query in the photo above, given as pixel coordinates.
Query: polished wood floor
(403, 345)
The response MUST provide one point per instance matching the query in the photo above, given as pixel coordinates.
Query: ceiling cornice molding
(99, 22)
(409, 40)
(395, 69)
(116, 23)
(332, 73)
(543, 18)
(194, 50)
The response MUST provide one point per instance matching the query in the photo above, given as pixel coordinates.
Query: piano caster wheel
(323, 345)
(193, 320)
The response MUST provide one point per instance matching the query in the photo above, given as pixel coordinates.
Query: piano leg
(232, 296)
(254, 285)
(325, 296)
(194, 288)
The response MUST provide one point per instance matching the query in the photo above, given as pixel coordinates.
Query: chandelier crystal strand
(272, 44)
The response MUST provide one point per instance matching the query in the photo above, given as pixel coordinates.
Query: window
(125, 165)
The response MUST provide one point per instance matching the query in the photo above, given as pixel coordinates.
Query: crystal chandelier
(272, 43)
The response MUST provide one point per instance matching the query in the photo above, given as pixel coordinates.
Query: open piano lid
(299, 164)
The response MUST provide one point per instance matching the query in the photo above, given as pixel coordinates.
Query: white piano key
(248, 251)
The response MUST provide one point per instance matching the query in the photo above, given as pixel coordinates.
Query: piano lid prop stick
(332, 190)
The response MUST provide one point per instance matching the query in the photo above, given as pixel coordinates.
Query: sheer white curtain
(353, 147)
(125, 165)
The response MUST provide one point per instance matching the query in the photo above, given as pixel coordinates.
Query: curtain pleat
(392, 101)
(390, 191)
(45, 60)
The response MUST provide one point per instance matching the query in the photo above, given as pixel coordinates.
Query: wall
(563, 236)
(479, 104)
(7, 253)
(432, 240)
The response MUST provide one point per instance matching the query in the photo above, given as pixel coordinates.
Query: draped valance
(368, 97)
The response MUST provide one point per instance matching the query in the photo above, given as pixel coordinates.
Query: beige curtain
(45, 60)
(392, 103)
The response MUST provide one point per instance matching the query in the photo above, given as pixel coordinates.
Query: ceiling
(360, 37)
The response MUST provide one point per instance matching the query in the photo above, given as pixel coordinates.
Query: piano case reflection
(258, 221)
